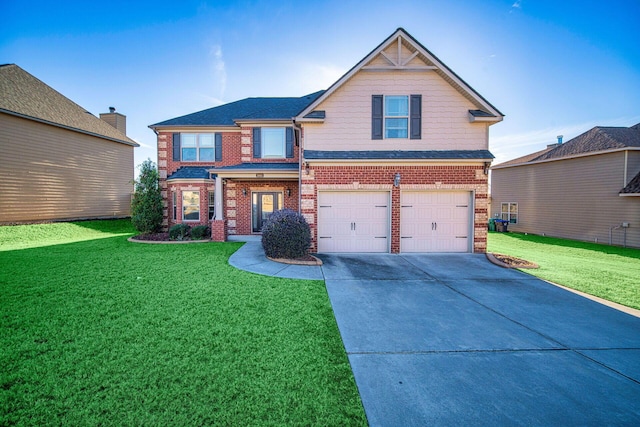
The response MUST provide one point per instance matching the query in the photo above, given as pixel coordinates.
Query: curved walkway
(250, 257)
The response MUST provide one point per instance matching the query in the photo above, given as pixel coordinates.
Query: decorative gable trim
(429, 63)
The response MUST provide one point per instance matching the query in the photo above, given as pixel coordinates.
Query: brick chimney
(116, 120)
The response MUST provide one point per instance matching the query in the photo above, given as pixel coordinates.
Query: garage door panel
(353, 222)
(435, 221)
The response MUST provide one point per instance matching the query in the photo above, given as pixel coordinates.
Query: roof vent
(112, 109)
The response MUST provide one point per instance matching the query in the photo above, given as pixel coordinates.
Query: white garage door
(435, 221)
(353, 221)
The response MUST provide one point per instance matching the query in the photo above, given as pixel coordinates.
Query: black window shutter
(416, 117)
(176, 147)
(376, 116)
(257, 146)
(289, 146)
(218, 147)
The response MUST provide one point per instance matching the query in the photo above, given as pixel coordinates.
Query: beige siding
(574, 198)
(445, 122)
(48, 173)
(633, 165)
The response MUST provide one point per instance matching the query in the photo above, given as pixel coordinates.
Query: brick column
(219, 230)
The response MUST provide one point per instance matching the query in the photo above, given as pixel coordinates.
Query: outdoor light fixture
(288, 192)
(306, 168)
(396, 180)
(486, 167)
(244, 191)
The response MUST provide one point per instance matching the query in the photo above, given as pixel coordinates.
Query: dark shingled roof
(480, 113)
(633, 187)
(245, 109)
(23, 95)
(265, 166)
(190, 172)
(597, 139)
(401, 155)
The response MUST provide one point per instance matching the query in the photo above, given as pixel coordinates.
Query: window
(174, 204)
(198, 147)
(396, 116)
(274, 143)
(212, 205)
(191, 206)
(509, 212)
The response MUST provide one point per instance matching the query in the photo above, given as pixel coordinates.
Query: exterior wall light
(244, 191)
(288, 192)
(396, 180)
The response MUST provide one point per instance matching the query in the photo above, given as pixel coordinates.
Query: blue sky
(552, 67)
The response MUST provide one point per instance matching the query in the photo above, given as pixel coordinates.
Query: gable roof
(25, 96)
(596, 140)
(245, 109)
(633, 187)
(485, 110)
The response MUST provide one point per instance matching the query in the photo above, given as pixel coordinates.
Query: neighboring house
(393, 157)
(585, 189)
(58, 161)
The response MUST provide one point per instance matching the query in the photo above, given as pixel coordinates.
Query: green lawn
(609, 272)
(100, 331)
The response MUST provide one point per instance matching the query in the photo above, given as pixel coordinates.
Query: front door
(263, 205)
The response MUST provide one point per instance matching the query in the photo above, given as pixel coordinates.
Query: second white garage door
(435, 221)
(353, 221)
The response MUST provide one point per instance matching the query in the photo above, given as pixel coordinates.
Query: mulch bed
(509, 261)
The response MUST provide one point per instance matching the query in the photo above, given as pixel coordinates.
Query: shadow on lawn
(553, 241)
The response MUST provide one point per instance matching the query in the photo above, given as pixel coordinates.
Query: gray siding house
(586, 189)
(58, 161)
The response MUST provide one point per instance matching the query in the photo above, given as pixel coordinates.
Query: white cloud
(517, 4)
(219, 70)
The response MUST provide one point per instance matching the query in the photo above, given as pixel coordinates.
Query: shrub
(286, 234)
(200, 232)
(179, 232)
(146, 206)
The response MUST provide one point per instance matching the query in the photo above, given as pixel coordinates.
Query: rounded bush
(179, 232)
(286, 234)
(200, 232)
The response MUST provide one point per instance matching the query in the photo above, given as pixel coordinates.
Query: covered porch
(247, 194)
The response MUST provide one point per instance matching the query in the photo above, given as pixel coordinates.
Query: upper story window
(273, 143)
(197, 147)
(396, 116)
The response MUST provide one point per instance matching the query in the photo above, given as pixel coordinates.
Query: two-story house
(393, 157)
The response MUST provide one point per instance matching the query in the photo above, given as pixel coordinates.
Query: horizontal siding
(445, 122)
(633, 165)
(575, 199)
(48, 173)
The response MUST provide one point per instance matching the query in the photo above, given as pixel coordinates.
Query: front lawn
(609, 272)
(100, 331)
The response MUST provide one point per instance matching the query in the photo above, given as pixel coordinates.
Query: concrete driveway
(455, 340)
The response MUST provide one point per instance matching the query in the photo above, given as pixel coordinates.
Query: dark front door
(263, 205)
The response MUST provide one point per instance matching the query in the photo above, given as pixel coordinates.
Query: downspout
(297, 129)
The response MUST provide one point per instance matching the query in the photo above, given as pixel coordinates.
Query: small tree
(146, 206)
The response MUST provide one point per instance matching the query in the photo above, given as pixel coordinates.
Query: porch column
(219, 215)
(219, 224)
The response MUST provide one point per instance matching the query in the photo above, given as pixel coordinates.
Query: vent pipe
(560, 139)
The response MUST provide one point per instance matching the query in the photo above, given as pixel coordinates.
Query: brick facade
(363, 178)
(237, 148)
